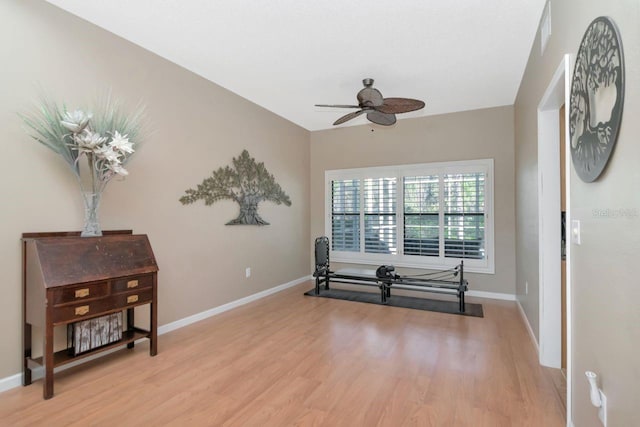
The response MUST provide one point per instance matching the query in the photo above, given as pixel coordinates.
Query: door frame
(549, 249)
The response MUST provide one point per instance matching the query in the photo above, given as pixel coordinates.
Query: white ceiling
(287, 55)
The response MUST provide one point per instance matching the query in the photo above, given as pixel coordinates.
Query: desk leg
(48, 361)
(131, 321)
(153, 344)
(26, 347)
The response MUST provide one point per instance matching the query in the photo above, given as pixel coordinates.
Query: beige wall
(196, 128)
(606, 336)
(478, 134)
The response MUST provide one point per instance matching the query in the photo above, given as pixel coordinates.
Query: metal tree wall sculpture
(248, 183)
(597, 98)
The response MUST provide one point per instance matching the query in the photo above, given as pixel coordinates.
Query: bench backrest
(322, 252)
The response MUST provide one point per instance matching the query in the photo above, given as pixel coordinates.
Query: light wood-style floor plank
(302, 361)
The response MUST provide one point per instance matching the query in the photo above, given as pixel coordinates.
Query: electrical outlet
(526, 288)
(247, 272)
(602, 411)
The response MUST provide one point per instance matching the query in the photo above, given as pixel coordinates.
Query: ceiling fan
(379, 110)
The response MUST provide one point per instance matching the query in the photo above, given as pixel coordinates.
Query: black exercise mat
(401, 301)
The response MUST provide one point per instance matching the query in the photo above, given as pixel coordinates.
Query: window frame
(486, 265)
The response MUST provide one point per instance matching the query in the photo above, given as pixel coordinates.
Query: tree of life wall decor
(247, 183)
(597, 98)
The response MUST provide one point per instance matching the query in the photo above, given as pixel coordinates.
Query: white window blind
(422, 215)
(380, 215)
(464, 210)
(428, 215)
(345, 215)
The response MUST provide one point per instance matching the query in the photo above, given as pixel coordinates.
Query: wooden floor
(295, 360)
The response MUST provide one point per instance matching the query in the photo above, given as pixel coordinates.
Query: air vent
(545, 28)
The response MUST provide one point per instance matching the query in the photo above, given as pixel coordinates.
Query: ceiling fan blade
(337, 105)
(348, 117)
(399, 105)
(370, 97)
(381, 118)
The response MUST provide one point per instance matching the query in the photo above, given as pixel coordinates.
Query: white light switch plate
(575, 231)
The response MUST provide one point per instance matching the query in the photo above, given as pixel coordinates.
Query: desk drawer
(132, 283)
(81, 310)
(131, 299)
(78, 293)
(93, 308)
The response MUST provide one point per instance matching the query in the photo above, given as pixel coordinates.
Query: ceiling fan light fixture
(379, 110)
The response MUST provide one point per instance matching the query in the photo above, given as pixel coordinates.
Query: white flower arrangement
(107, 139)
(106, 153)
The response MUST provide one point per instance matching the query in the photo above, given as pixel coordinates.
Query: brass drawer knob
(82, 310)
(132, 298)
(81, 293)
(132, 284)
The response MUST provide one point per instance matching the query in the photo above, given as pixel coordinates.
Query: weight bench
(450, 282)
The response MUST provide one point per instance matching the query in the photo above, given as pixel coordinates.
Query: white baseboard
(15, 380)
(38, 373)
(492, 295)
(10, 382)
(528, 325)
(226, 307)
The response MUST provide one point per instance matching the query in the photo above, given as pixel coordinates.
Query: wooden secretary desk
(68, 278)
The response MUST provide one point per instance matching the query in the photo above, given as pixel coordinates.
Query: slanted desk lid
(70, 260)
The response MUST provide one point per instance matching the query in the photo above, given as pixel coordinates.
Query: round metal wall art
(597, 98)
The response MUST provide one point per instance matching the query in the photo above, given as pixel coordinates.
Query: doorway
(563, 257)
(554, 333)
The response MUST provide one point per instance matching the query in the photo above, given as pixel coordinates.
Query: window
(426, 216)
(380, 215)
(464, 215)
(345, 215)
(422, 215)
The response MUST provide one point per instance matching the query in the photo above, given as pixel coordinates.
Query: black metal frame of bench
(324, 275)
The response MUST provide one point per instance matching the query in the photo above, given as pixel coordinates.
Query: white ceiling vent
(545, 28)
